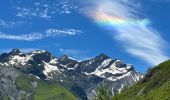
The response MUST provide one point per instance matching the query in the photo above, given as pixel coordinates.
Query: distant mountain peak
(15, 51)
(64, 57)
(86, 74)
(102, 56)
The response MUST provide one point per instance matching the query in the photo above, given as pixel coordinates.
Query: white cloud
(37, 35)
(45, 9)
(77, 54)
(54, 32)
(5, 24)
(160, 0)
(25, 50)
(25, 37)
(135, 33)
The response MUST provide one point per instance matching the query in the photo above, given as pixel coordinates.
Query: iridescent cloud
(133, 31)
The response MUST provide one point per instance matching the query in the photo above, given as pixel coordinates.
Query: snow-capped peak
(102, 56)
(17, 58)
(44, 62)
(87, 74)
(15, 52)
(110, 68)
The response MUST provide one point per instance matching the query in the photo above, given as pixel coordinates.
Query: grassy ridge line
(154, 86)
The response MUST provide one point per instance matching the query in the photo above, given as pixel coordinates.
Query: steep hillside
(14, 85)
(154, 86)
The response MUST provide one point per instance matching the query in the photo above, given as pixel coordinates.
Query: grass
(44, 90)
(52, 91)
(24, 83)
(154, 86)
(3, 96)
(6, 98)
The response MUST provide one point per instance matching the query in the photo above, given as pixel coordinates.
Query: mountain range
(40, 75)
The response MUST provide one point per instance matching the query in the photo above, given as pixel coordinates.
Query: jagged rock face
(7, 77)
(8, 87)
(84, 76)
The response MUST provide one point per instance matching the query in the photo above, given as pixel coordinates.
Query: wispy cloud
(51, 32)
(134, 32)
(77, 54)
(25, 37)
(5, 24)
(25, 50)
(160, 0)
(45, 9)
(30, 12)
(41, 35)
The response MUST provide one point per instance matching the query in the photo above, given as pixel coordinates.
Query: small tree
(103, 92)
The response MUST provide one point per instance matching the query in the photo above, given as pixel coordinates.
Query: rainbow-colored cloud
(135, 33)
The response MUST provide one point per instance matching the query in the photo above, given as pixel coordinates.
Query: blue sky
(135, 31)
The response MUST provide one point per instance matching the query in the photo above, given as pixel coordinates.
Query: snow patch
(38, 51)
(113, 69)
(53, 61)
(48, 68)
(70, 68)
(71, 58)
(17, 59)
(106, 62)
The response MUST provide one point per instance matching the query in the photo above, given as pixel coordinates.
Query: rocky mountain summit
(82, 78)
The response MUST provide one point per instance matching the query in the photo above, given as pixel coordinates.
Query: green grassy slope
(42, 90)
(3, 96)
(25, 83)
(154, 86)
